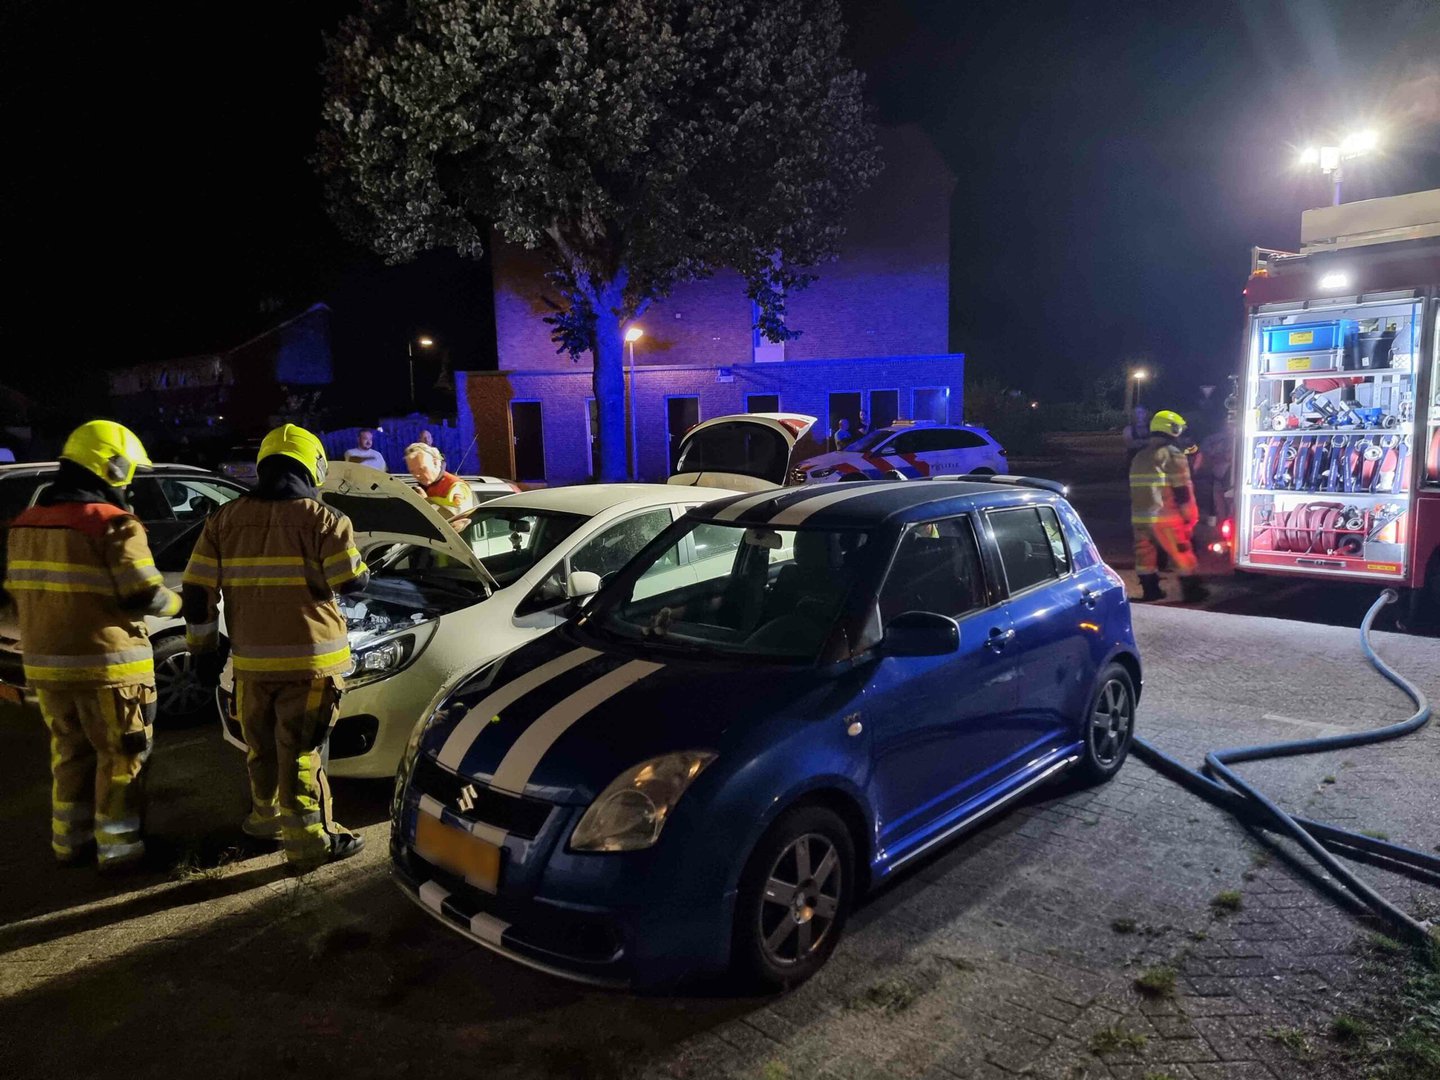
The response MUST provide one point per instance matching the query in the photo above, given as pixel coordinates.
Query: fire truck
(1337, 473)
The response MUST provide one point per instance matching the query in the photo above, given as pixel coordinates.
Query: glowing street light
(632, 335)
(1331, 159)
(1137, 376)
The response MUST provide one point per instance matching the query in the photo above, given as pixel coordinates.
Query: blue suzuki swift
(702, 773)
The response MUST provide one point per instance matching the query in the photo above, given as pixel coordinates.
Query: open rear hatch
(742, 452)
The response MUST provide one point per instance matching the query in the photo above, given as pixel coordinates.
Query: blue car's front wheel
(795, 896)
(1109, 726)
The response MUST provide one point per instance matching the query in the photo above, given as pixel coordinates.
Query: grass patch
(1375, 834)
(1349, 1029)
(1199, 935)
(1116, 1038)
(959, 963)
(1227, 902)
(1156, 982)
(1260, 860)
(1293, 1040)
(1124, 926)
(1385, 945)
(1327, 780)
(888, 995)
(775, 1070)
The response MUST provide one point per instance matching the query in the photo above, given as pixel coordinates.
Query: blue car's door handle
(1089, 596)
(998, 639)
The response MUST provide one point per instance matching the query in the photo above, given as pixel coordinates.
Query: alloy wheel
(177, 687)
(1111, 723)
(801, 899)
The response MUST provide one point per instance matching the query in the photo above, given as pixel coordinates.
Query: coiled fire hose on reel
(1220, 784)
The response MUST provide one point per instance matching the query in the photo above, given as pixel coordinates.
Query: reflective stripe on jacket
(277, 563)
(1159, 484)
(451, 494)
(74, 568)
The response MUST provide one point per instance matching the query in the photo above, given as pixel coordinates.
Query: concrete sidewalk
(1014, 951)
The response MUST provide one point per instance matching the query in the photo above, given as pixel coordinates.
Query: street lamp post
(1138, 376)
(632, 335)
(1330, 160)
(424, 343)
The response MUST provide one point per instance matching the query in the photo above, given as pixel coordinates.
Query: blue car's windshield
(751, 591)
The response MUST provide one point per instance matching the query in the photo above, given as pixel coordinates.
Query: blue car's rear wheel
(795, 896)
(1109, 725)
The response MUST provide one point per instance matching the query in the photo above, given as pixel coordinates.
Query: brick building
(874, 338)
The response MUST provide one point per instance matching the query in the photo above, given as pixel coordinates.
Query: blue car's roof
(864, 504)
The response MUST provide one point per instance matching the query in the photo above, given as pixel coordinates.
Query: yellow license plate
(476, 860)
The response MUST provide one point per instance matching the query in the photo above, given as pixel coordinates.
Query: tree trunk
(610, 393)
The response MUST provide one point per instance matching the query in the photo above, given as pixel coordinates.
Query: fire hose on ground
(1220, 784)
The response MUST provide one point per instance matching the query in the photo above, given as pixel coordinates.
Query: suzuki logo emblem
(467, 797)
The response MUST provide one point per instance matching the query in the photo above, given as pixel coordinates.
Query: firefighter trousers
(100, 741)
(285, 725)
(1171, 537)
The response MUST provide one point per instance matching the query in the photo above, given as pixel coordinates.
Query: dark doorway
(843, 407)
(681, 414)
(884, 408)
(932, 403)
(528, 437)
(762, 403)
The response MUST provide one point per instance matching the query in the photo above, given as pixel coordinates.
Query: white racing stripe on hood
(734, 510)
(796, 513)
(453, 752)
(535, 741)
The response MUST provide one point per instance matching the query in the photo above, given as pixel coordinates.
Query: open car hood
(386, 510)
(743, 451)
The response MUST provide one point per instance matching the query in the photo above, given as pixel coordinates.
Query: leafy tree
(639, 143)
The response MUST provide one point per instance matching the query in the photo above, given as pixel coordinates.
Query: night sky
(1115, 162)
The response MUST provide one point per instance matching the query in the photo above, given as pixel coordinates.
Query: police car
(906, 449)
(707, 774)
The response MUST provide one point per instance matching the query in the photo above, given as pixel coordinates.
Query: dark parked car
(710, 775)
(172, 501)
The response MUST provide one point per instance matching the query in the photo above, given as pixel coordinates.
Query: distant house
(281, 371)
(874, 339)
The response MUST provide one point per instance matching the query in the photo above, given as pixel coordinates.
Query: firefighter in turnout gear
(443, 490)
(83, 580)
(1163, 513)
(278, 556)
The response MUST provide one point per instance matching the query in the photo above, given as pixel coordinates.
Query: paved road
(1015, 949)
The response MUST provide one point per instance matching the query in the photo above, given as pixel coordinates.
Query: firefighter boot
(1192, 591)
(1150, 588)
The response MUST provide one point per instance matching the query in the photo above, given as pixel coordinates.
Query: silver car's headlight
(630, 813)
(383, 657)
(820, 474)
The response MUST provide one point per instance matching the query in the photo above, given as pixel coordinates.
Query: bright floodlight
(425, 342)
(1334, 281)
(1310, 156)
(1139, 374)
(1359, 142)
(634, 333)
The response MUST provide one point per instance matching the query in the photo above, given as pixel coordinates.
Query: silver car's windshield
(763, 592)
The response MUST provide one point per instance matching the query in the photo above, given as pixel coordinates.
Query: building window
(762, 403)
(931, 403)
(884, 408)
(763, 350)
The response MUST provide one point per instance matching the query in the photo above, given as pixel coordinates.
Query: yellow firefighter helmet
(293, 441)
(1166, 422)
(109, 450)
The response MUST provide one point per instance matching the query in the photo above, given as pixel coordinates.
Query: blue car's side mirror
(921, 633)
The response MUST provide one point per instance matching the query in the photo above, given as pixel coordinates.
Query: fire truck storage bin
(1300, 364)
(1375, 349)
(1310, 337)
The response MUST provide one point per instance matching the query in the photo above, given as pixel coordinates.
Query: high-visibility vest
(70, 568)
(1155, 474)
(451, 494)
(277, 563)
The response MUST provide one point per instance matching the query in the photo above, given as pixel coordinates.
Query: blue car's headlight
(820, 474)
(630, 813)
(385, 656)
